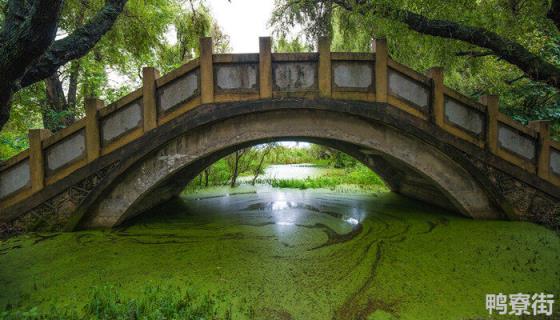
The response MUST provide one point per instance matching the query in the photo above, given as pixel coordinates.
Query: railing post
(492, 109)
(93, 145)
(543, 164)
(149, 77)
(206, 71)
(379, 47)
(325, 89)
(436, 74)
(36, 158)
(265, 67)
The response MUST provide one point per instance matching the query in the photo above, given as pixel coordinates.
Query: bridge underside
(399, 147)
(427, 141)
(408, 165)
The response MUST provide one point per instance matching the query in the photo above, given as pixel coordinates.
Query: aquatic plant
(155, 302)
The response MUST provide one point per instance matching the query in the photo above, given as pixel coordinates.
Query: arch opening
(409, 166)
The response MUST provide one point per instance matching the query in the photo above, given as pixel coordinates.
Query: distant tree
(264, 152)
(284, 44)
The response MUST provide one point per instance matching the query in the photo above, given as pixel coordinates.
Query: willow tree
(141, 36)
(29, 50)
(506, 47)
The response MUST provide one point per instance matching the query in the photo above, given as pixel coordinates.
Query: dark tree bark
(206, 176)
(258, 169)
(28, 52)
(554, 13)
(57, 113)
(29, 29)
(72, 95)
(76, 45)
(235, 172)
(535, 67)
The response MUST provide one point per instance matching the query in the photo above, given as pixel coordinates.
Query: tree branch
(474, 53)
(74, 46)
(554, 13)
(28, 39)
(532, 65)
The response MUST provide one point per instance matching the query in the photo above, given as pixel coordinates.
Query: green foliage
(522, 21)
(359, 176)
(155, 302)
(140, 37)
(284, 44)
(346, 170)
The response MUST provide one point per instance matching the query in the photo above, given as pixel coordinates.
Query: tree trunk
(29, 52)
(206, 176)
(73, 84)
(259, 167)
(56, 114)
(235, 173)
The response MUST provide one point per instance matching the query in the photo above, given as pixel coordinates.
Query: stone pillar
(325, 76)
(149, 100)
(492, 110)
(543, 151)
(36, 158)
(379, 47)
(93, 145)
(265, 67)
(206, 71)
(436, 74)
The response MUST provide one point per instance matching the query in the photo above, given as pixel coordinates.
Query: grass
(155, 302)
(358, 178)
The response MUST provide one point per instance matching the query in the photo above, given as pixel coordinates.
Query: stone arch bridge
(425, 140)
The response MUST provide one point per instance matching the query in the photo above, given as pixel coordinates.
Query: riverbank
(355, 178)
(282, 254)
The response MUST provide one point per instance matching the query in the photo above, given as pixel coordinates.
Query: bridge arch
(63, 178)
(408, 164)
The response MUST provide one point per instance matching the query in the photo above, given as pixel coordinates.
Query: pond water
(293, 254)
(289, 171)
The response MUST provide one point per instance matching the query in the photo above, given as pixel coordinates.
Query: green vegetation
(113, 67)
(355, 178)
(338, 171)
(406, 260)
(470, 67)
(155, 302)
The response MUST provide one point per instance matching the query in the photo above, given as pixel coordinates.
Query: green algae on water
(289, 254)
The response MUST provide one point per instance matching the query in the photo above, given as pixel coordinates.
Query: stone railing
(215, 78)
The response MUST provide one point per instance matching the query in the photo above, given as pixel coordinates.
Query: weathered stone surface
(178, 91)
(408, 89)
(519, 200)
(55, 213)
(294, 76)
(121, 121)
(178, 154)
(237, 76)
(464, 116)
(411, 170)
(353, 75)
(513, 141)
(555, 161)
(66, 151)
(15, 178)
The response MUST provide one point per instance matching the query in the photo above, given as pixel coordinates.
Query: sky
(244, 21)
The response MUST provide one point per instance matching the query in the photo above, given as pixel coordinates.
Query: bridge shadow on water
(293, 254)
(321, 254)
